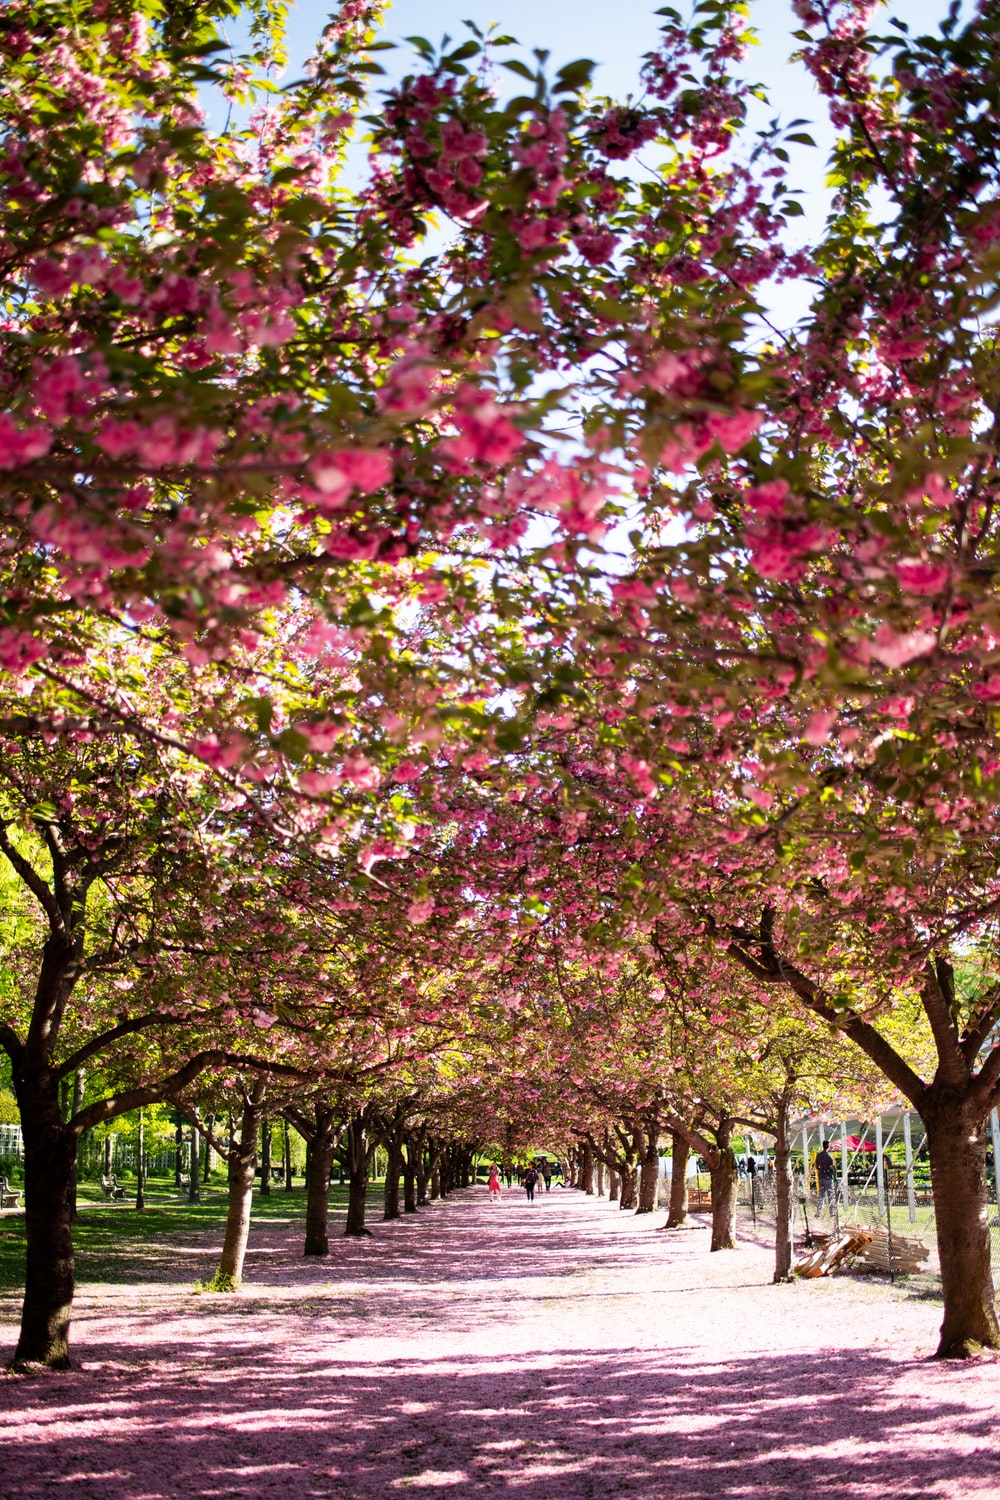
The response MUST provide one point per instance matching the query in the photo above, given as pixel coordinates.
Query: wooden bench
(112, 1188)
(9, 1197)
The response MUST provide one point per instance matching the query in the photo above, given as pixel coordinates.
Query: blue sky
(616, 35)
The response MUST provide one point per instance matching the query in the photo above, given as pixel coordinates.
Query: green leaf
(513, 66)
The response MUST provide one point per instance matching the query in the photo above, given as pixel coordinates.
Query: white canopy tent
(894, 1122)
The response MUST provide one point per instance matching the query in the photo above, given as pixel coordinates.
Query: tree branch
(124, 1028)
(36, 885)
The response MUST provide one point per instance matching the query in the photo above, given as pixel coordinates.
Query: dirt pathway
(564, 1351)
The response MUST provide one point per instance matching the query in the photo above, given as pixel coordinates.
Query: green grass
(115, 1244)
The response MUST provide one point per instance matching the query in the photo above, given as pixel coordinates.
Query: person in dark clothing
(826, 1173)
(530, 1180)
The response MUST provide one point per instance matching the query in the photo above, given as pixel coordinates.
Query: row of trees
(450, 619)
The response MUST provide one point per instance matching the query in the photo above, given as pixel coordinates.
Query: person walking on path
(494, 1185)
(826, 1174)
(530, 1179)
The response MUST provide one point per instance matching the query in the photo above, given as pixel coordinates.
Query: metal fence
(883, 1182)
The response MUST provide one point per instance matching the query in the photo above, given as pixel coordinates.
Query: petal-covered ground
(560, 1351)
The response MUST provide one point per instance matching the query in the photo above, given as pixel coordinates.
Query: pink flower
(19, 445)
(419, 911)
(320, 737)
(817, 731)
(216, 752)
(732, 430)
(363, 469)
(896, 650)
(768, 499)
(361, 773)
(18, 650)
(919, 576)
(407, 770)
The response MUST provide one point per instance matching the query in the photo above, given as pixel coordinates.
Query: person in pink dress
(494, 1185)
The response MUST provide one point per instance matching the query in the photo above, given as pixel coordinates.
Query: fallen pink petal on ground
(564, 1351)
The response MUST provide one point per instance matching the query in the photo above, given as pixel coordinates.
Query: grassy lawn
(115, 1244)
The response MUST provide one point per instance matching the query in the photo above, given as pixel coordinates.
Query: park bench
(9, 1197)
(112, 1188)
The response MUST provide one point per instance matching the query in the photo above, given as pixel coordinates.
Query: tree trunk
(435, 1173)
(242, 1176)
(409, 1180)
(357, 1177)
(587, 1170)
(140, 1165)
(393, 1170)
(957, 1147)
(49, 1159)
(627, 1197)
(287, 1155)
(613, 1185)
(649, 1175)
(784, 1198)
(265, 1158)
(680, 1150)
(76, 1106)
(317, 1241)
(420, 1167)
(194, 1168)
(206, 1170)
(179, 1152)
(725, 1185)
(600, 1178)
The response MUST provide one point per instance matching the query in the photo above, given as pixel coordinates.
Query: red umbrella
(855, 1143)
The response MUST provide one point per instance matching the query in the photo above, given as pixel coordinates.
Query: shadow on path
(563, 1354)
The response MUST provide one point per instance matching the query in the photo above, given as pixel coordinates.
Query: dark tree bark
(140, 1164)
(957, 1146)
(286, 1142)
(587, 1169)
(650, 1167)
(680, 1153)
(614, 1187)
(725, 1185)
(194, 1168)
(76, 1106)
(265, 1158)
(242, 1177)
(410, 1177)
(178, 1153)
(394, 1131)
(954, 1107)
(358, 1159)
(420, 1167)
(49, 1159)
(620, 1148)
(714, 1141)
(783, 1195)
(628, 1193)
(321, 1131)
